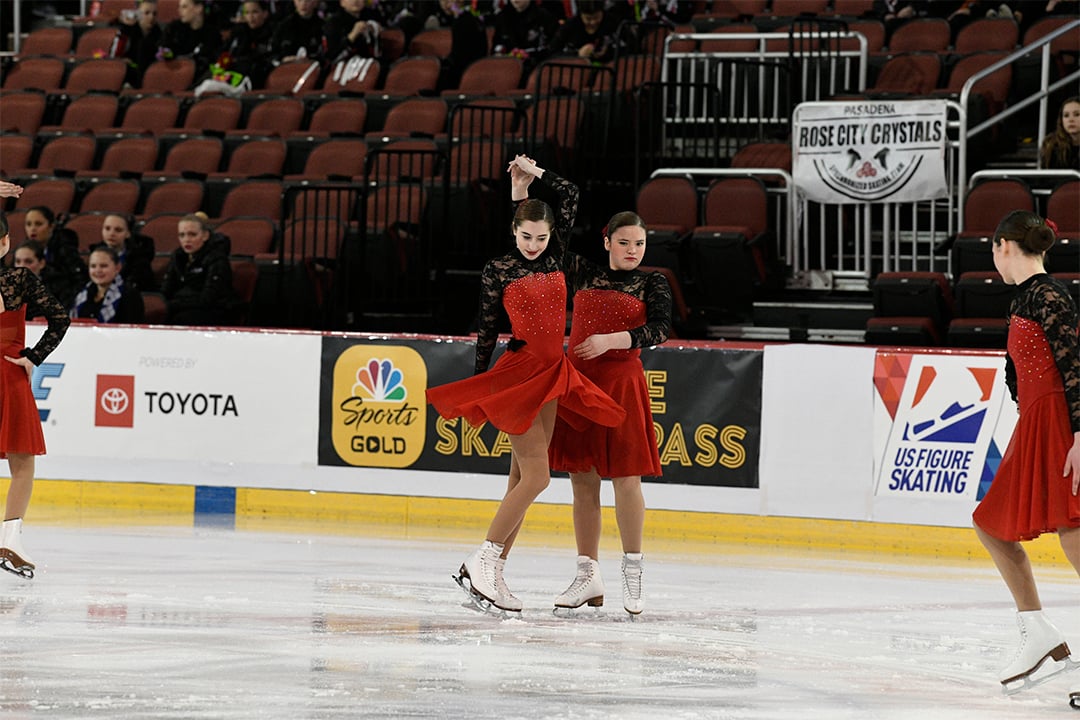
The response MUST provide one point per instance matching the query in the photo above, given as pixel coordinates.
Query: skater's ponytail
(1032, 234)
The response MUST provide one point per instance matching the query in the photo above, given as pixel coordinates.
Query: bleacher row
(158, 151)
(969, 309)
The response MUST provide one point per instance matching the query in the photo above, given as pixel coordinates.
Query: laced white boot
(586, 588)
(631, 583)
(1074, 697)
(13, 557)
(1039, 640)
(479, 568)
(507, 599)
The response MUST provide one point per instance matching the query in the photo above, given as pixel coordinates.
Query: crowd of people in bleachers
(239, 44)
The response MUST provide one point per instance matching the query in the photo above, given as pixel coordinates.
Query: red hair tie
(603, 233)
(1052, 225)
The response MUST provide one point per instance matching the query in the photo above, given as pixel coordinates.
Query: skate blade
(23, 571)
(583, 611)
(1029, 681)
(478, 602)
(1074, 700)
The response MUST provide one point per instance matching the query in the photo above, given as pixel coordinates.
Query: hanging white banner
(870, 151)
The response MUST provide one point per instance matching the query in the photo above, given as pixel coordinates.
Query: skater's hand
(522, 172)
(10, 189)
(596, 345)
(1072, 463)
(24, 362)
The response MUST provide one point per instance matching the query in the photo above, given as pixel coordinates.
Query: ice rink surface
(145, 621)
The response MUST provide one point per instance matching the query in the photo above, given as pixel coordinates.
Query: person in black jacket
(299, 35)
(353, 31)
(198, 281)
(68, 272)
(248, 47)
(135, 252)
(142, 37)
(192, 35)
(591, 34)
(524, 29)
(107, 298)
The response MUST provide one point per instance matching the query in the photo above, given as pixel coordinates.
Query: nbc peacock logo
(376, 423)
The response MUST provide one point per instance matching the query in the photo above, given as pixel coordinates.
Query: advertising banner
(228, 397)
(941, 425)
(870, 151)
(373, 411)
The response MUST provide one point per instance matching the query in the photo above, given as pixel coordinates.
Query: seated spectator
(442, 16)
(1061, 149)
(524, 29)
(192, 35)
(68, 272)
(198, 281)
(31, 255)
(353, 31)
(142, 36)
(299, 35)
(135, 252)
(107, 298)
(590, 34)
(248, 49)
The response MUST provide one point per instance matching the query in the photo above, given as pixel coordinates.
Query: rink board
(301, 424)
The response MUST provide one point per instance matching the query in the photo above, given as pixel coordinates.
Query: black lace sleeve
(658, 311)
(565, 214)
(20, 286)
(487, 335)
(1010, 377)
(1057, 314)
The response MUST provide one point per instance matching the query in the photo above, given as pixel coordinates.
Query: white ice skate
(587, 587)
(12, 556)
(511, 601)
(632, 598)
(480, 578)
(1039, 641)
(1074, 697)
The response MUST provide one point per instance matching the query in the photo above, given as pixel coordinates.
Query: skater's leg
(1015, 568)
(531, 451)
(629, 512)
(21, 466)
(1070, 543)
(587, 517)
(511, 483)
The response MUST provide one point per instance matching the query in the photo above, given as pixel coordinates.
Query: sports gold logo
(379, 409)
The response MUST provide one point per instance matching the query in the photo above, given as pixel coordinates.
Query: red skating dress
(1029, 495)
(612, 301)
(20, 425)
(535, 369)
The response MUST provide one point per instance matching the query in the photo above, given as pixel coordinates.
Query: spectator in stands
(591, 34)
(442, 16)
(31, 255)
(894, 13)
(353, 31)
(198, 281)
(135, 252)
(524, 29)
(192, 35)
(249, 46)
(61, 253)
(299, 35)
(1061, 149)
(107, 298)
(142, 35)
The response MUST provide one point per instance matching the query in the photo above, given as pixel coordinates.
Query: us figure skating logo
(941, 415)
(374, 420)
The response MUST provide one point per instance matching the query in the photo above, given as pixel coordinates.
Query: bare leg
(22, 485)
(1015, 568)
(587, 518)
(1070, 543)
(530, 451)
(511, 483)
(629, 512)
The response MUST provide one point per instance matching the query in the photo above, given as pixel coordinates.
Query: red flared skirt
(20, 425)
(510, 394)
(1029, 495)
(625, 450)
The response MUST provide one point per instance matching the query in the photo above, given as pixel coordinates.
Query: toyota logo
(114, 401)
